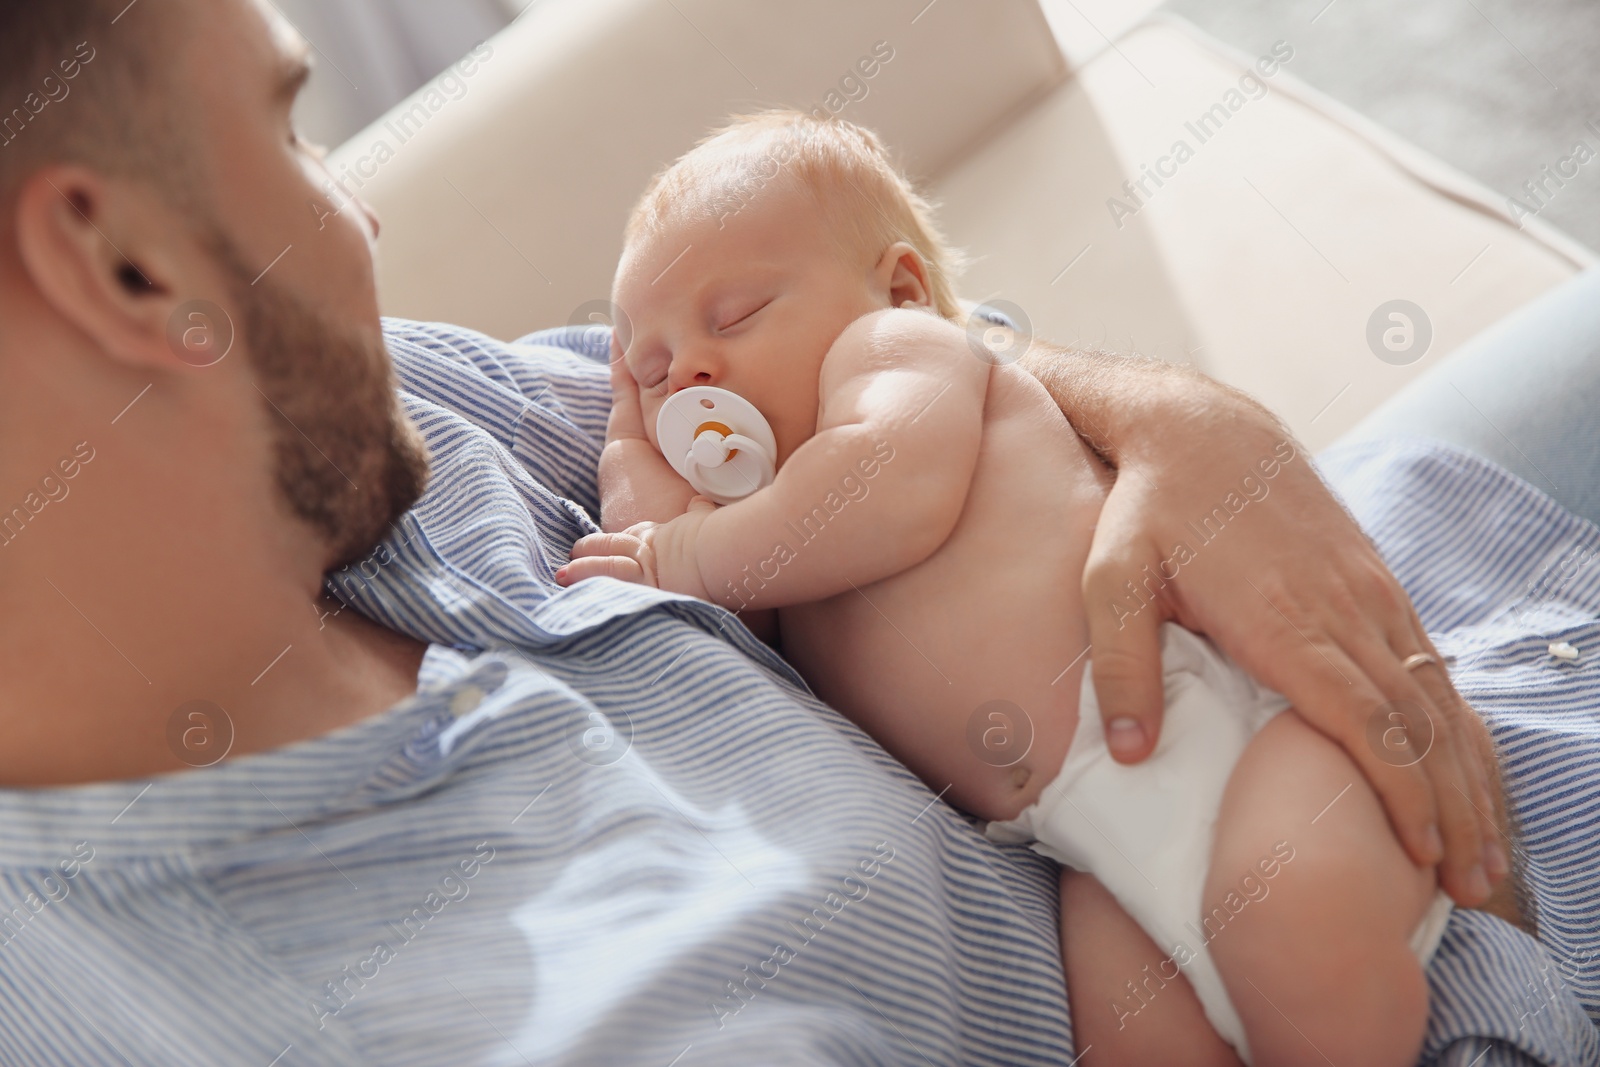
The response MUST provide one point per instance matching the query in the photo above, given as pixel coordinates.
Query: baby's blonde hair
(845, 167)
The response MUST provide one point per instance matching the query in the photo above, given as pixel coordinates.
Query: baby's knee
(1299, 812)
(1321, 961)
(1369, 1006)
(1321, 952)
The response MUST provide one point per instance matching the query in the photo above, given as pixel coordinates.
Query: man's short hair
(85, 81)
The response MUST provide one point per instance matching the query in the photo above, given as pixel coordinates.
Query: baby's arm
(900, 390)
(902, 396)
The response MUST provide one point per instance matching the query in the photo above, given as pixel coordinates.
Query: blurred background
(371, 54)
(1405, 177)
(1497, 88)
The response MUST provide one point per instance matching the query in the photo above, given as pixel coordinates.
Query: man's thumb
(1125, 634)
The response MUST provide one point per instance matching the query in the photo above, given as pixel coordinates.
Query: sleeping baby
(802, 431)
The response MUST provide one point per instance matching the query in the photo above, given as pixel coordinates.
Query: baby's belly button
(1006, 794)
(1020, 777)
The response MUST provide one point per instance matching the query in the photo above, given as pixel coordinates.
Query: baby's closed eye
(742, 315)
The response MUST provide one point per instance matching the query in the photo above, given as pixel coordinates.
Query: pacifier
(718, 441)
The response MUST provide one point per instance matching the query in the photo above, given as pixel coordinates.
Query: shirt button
(466, 700)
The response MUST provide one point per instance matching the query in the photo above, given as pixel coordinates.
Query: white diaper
(1145, 831)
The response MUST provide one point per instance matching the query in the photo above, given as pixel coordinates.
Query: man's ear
(106, 256)
(902, 276)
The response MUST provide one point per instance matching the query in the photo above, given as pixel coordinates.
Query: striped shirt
(612, 827)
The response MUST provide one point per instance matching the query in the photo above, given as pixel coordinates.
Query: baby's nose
(693, 368)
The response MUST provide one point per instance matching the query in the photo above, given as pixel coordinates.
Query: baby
(918, 557)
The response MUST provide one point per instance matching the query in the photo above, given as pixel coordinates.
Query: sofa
(1120, 179)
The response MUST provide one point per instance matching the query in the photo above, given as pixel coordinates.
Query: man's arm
(1287, 585)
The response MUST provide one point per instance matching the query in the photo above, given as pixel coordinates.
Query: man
(162, 602)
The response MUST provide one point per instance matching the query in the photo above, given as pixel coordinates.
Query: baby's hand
(627, 414)
(661, 554)
(636, 483)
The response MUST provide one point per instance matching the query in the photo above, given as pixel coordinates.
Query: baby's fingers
(607, 555)
(623, 568)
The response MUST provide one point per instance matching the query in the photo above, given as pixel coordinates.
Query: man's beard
(346, 458)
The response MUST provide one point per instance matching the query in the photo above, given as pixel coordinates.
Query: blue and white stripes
(613, 828)
(1499, 572)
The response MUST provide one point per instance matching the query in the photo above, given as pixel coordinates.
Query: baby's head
(747, 258)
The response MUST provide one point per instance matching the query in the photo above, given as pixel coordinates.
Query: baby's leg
(1156, 1021)
(1316, 957)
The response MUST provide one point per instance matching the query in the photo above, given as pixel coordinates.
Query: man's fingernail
(1495, 857)
(1434, 843)
(1478, 882)
(1124, 735)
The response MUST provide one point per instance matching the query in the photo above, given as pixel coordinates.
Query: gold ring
(1418, 659)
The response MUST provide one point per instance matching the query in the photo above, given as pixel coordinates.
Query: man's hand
(661, 554)
(1283, 581)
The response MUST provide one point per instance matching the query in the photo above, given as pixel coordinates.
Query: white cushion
(503, 209)
(1261, 261)
(1263, 257)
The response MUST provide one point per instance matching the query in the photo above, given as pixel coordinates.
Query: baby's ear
(903, 277)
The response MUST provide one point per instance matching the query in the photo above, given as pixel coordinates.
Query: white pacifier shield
(718, 441)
